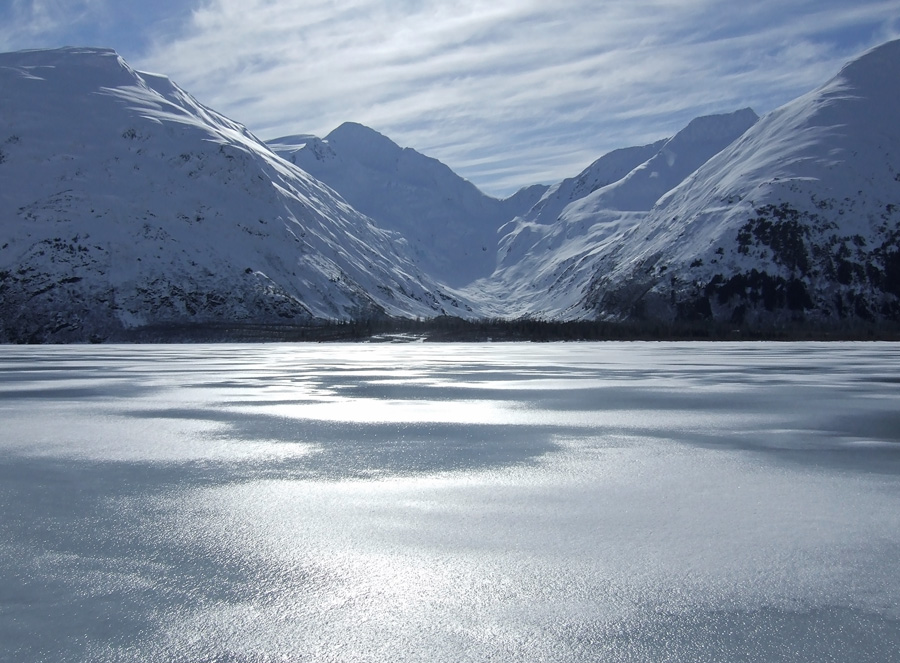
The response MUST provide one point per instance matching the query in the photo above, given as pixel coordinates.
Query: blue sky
(506, 92)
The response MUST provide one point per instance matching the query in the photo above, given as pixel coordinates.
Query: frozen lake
(506, 502)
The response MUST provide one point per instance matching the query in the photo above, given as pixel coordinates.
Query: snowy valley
(127, 205)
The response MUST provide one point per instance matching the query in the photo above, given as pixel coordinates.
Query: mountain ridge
(128, 204)
(797, 220)
(451, 226)
(540, 253)
(125, 207)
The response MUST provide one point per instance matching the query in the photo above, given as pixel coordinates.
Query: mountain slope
(606, 170)
(546, 257)
(125, 203)
(450, 225)
(677, 158)
(797, 222)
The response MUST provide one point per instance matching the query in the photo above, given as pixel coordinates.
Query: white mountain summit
(546, 256)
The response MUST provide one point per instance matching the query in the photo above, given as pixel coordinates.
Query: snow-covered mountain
(606, 170)
(677, 158)
(794, 223)
(546, 256)
(797, 222)
(450, 225)
(125, 202)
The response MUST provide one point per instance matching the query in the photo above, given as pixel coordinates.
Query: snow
(129, 203)
(678, 157)
(545, 263)
(450, 226)
(606, 170)
(829, 157)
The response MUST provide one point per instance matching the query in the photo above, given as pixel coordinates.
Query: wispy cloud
(29, 23)
(126, 26)
(507, 92)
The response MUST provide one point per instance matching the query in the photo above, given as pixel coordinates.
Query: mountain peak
(881, 63)
(721, 126)
(362, 139)
(73, 68)
(449, 225)
(680, 156)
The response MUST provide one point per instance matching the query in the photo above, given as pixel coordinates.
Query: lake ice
(450, 502)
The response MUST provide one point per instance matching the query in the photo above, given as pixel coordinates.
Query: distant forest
(452, 329)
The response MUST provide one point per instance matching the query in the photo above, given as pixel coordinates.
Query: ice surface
(571, 502)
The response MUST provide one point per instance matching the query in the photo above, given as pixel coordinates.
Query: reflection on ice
(576, 502)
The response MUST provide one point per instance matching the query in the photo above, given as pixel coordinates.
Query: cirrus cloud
(506, 92)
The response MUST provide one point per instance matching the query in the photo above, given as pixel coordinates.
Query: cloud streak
(24, 22)
(506, 92)
(128, 27)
